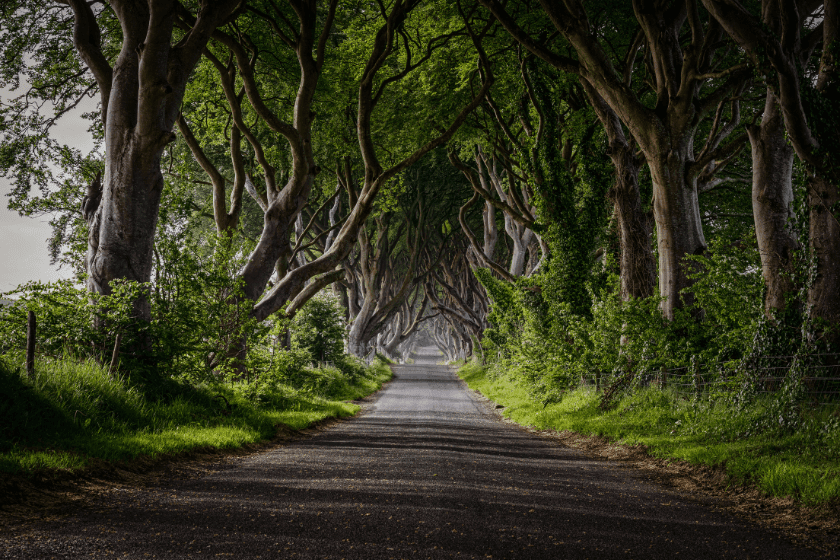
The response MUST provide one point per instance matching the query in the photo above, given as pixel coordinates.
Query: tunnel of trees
(558, 188)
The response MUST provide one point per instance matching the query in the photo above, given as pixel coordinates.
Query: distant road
(426, 472)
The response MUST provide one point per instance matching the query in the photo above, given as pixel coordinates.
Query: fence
(817, 376)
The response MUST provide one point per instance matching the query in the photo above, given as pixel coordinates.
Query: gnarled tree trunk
(772, 196)
(637, 268)
(141, 97)
(679, 230)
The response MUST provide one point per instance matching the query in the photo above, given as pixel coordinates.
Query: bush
(318, 328)
(551, 346)
(199, 318)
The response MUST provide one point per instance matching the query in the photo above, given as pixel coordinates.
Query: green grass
(803, 464)
(73, 412)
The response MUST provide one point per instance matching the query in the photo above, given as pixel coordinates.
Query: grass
(72, 412)
(803, 463)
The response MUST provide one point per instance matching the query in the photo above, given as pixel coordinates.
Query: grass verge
(802, 464)
(71, 413)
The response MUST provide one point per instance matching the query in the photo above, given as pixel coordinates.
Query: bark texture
(772, 196)
(781, 45)
(141, 95)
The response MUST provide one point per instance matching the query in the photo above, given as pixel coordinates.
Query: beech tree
(388, 268)
(140, 95)
(281, 215)
(487, 180)
(396, 340)
(248, 59)
(518, 130)
(398, 250)
(687, 85)
(792, 44)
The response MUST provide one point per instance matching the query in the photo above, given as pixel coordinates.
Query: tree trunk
(824, 291)
(679, 231)
(357, 338)
(391, 348)
(637, 269)
(772, 195)
(141, 97)
(491, 232)
(357, 348)
(121, 236)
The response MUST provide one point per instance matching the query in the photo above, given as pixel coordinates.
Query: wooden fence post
(663, 377)
(31, 327)
(695, 376)
(115, 356)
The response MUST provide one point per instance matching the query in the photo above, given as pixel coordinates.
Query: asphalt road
(426, 472)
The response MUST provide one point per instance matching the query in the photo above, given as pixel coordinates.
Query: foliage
(319, 329)
(729, 289)
(547, 343)
(198, 316)
(66, 315)
(570, 194)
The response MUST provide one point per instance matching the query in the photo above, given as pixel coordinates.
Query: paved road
(426, 472)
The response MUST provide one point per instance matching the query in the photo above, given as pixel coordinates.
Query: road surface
(427, 471)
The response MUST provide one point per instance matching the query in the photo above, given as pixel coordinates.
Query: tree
(140, 96)
(686, 87)
(782, 44)
(400, 332)
(282, 206)
(772, 199)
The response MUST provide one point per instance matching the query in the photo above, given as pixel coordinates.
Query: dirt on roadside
(52, 494)
(815, 527)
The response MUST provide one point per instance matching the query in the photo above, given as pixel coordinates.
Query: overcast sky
(23, 241)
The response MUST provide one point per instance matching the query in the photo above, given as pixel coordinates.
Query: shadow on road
(426, 473)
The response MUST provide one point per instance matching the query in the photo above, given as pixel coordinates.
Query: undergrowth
(72, 410)
(745, 441)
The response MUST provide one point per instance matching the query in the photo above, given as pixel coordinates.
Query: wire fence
(816, 378)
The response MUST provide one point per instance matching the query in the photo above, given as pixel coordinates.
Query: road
(427, 471)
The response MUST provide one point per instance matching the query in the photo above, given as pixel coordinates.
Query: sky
(23, 248)
(23, 240)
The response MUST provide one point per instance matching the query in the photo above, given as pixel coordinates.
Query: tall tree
(782, 42)
(391, 57)
(687, 86)
(772, 203)
(140, 95)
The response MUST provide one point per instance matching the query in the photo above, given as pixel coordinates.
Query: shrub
(318, 328)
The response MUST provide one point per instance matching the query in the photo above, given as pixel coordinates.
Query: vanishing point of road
(427, 471)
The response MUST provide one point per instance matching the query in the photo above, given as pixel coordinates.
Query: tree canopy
(621, 183)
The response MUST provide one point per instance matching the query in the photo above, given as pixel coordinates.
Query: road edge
(817, 528)
(55, 494)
